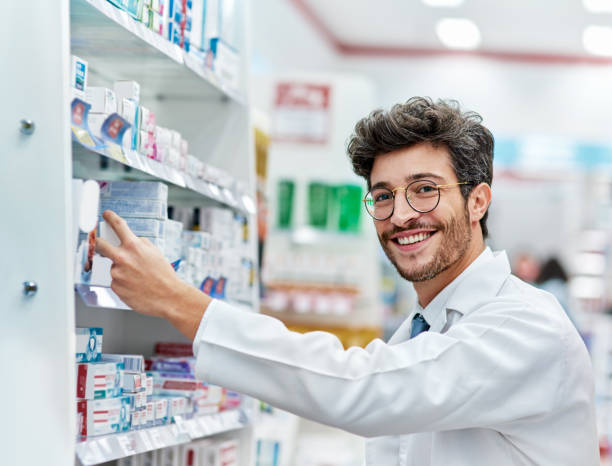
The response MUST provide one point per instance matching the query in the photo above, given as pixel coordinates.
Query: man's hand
(145, 281)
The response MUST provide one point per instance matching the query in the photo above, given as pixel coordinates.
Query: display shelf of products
(160, 171)
(111, 447)
(100, 296)
(100, 29)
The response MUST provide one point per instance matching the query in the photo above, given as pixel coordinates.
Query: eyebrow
(410, 178)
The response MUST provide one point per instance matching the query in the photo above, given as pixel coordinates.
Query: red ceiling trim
(412, 52)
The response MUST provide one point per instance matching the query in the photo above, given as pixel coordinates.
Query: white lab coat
(509, 382)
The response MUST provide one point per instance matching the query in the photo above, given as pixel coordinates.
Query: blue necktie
(419, 325)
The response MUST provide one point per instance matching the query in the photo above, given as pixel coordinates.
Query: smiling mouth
(412, 239)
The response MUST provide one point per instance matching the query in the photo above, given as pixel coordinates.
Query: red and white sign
(302, 113)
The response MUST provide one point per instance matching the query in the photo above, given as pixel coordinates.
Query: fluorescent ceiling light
(458, 33)
(443, 3)
(598, 40)
(598, 6)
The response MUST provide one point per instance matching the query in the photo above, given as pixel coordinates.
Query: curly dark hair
(421, 120)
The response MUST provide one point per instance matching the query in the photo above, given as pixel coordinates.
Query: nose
(402, 212)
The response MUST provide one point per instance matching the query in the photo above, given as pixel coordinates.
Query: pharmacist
(488, 371)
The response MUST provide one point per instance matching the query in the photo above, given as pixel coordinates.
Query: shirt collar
(463, 294)
(460, 294)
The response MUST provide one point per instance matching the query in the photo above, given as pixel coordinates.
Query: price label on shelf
(90, 453)
(105, 446)
(174, 432)
(146, 441)
(205, 425)
(194, 429)
(180, 425)
(156, 438)
(127, 444)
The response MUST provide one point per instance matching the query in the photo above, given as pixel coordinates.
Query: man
(487, 372)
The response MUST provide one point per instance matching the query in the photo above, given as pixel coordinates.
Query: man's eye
(424, 189)
(382, 197)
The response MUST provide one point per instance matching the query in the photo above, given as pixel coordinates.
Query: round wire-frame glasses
(422, 196)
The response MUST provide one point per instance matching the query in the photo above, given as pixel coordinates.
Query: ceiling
(530, 30)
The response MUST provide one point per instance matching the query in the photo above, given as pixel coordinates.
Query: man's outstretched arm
(145, 281)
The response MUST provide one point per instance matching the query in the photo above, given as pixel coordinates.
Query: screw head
(30, 288)
(27, 126)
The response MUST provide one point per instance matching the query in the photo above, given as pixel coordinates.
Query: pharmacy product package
(133, 190)
(101, 417)
(88, 344)
(97, 380)
(139, 208)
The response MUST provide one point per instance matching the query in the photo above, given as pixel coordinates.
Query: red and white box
(98, 380)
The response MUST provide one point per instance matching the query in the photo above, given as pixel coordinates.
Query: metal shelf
(111, 447)
(100, 296)
(157, 170)
(107, 36)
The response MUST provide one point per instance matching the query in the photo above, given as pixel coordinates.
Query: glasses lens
(379, 203)
(423, 195)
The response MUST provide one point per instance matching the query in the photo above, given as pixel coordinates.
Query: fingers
(123, 232)
(105, 249)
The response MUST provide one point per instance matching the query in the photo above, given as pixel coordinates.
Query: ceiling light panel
(458, 33)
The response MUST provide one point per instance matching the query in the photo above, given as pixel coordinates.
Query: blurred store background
(540, 73)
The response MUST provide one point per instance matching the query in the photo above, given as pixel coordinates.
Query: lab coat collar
(482, 280)
(462, 294)
(436, 311)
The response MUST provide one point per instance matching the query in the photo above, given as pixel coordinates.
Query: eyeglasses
(422, 195)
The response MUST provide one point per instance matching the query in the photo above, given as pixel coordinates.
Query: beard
(456, 236)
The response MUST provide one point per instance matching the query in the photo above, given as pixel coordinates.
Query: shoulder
(528, 316)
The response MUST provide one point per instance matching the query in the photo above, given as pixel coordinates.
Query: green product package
(318, 199)
(348, 197)
(285, 192)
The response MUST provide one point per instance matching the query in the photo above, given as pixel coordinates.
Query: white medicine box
(102, 100)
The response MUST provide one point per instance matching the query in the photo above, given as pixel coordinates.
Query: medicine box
(101, 99)
(133, 190)
(101, 417)
(150, 414)
(146, 227)
(161, 410)
(136, 208)
(127, 90)
(97, 380)
(173, 364)
(131, 382)
(129, 362)
(88, 344)
(170, 384)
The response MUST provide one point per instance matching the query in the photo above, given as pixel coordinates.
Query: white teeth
(413, 238)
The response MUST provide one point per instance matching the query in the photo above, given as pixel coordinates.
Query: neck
(426, 291)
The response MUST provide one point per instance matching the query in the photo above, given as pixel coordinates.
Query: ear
(479, 201)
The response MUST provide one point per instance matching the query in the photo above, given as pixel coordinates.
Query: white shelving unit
(39, 160)
(106, 448)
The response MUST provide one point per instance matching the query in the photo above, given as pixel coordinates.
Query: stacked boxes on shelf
(216, 259)
(207, 28)
(115, 394)
(101, 408)
(145, 136)
(174, 376)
